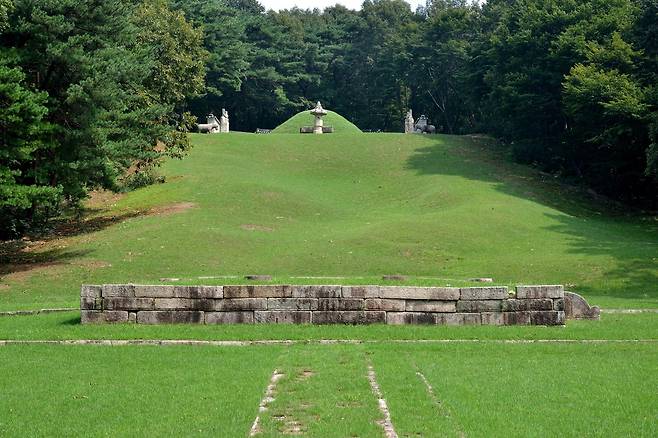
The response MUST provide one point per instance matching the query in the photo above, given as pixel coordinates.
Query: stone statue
(223, 121)
(422, 127)
(409, 123)
(212, 126)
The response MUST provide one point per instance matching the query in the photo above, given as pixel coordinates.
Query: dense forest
(95, 93)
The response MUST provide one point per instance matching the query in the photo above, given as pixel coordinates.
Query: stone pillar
(409, 123)
(223, 121)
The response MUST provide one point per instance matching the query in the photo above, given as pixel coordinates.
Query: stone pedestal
(223, 121)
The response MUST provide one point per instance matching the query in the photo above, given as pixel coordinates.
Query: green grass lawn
(352, 206)
(478, 390)
(349, 209)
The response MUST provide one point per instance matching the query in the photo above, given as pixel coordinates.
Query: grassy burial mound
(340, 124)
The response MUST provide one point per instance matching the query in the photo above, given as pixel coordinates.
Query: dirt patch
(102, 199)
(20, 273)
(254, 227)
(92, 264)
(305, 374)
(170, 209)
(4, 287)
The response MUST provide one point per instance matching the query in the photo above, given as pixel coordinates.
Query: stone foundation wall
(529, 305)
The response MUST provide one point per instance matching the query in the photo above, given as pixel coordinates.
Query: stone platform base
(160, 304)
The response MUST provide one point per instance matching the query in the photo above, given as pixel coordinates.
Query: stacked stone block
(323, 304)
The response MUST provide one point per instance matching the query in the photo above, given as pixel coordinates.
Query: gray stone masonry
(327, 304)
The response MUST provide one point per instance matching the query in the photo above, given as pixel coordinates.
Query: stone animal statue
(212, 126)
(422, 127)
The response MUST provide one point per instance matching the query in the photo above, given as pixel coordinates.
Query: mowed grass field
(439, 209)
(432, 390)
(341, 209)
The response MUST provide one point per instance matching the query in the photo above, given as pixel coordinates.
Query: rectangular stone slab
(118, 290)
(282, 317)
(292, 304)
(317, 291)
(127, 303)
(239, 304)
(360, 291)
(430, 306)
(169, 317)
(90, 291)
(338, 304)
(484, 293)
(547, 318)
(107, 316)
(419, 293)
(348, 317)
(545, 291)
(385, 304)
(469, 306)
(258, 291)
(229, 317)
(154, 291)
(515, 305)
(198, 292)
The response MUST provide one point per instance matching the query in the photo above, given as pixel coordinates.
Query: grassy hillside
(340, 124)
(354, 206)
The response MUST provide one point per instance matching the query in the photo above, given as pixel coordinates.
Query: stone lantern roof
(318, 110)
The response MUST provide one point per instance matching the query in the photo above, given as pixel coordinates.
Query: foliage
(111, 77)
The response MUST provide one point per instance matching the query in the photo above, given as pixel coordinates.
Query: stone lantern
(318, 112)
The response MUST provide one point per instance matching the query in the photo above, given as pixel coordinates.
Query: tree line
(96, 93)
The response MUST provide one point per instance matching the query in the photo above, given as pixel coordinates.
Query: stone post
(409, 123)
(223, 121)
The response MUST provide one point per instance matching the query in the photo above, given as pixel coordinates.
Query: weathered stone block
(516, 318)
(91, 303)
(178, 304)
(209, 292)
(484, 293)
(154, 291)
(348, 317)
(169, 317)
(516, 305)
(547, 318)
(458, 318)
(258, 291)
(229, 317)
(90, 291)
(492, 318)
(419, 293)
(126, 303)
(469, 306)
(384, 304)
(107, 316)
(118, 290)
(238, 304)
(292, 304)
(558, 304)
(317, 291)
(576, 307)
(403, 318)
(335, 304)
(132, 317)
(430, 306)
(360, 291)
(546, 291)
(282, 317)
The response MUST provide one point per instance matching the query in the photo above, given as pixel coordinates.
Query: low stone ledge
(419, 293)
(484, 293)
(325, 304)
(544, 291)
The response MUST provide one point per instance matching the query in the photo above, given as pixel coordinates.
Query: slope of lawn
(439, 209)
(340, 124)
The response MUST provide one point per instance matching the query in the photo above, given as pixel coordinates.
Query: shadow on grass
(71, 321)
(25, 254)
(595, 226)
